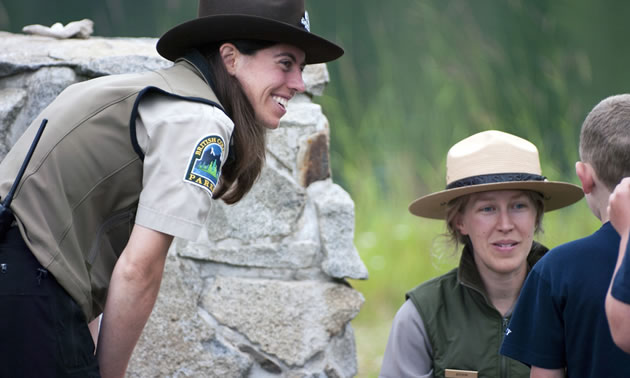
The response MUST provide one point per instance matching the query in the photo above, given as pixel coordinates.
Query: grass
(417, 77)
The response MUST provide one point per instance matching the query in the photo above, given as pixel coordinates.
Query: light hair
(457, 205)
(605, 140)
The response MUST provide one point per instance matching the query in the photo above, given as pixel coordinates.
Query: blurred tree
(437, 71)
(112, 18)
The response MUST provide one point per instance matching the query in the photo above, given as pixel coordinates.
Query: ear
(585, 173)
(459, 225)
(229, 55)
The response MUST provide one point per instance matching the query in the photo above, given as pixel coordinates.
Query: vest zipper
(503, 362)
(502, 359)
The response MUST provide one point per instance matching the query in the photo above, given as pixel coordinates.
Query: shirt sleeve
(621, 284)
(408, 353)
(185, 145)
(535, 334)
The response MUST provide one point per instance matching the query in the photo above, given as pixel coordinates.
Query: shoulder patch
(204, 167)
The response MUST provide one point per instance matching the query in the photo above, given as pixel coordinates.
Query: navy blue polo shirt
(559, 319)
(621, 285)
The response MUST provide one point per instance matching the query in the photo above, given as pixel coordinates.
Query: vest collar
(200, 64)
(468, 274)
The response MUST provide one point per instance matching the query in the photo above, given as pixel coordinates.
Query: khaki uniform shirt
(95, 170)
(169, 131)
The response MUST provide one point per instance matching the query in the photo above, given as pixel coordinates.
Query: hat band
(495, 178)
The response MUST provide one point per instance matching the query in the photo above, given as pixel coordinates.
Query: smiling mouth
(281, 101)
(505, 245)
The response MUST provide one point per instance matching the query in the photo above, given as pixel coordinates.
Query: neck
(503, 289)
(598, 203)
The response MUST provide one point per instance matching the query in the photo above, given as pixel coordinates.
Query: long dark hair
(247, 148)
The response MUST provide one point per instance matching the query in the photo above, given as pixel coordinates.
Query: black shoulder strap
(6, 215)
(151, 89)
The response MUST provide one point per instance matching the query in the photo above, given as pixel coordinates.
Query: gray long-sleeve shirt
(408, 353)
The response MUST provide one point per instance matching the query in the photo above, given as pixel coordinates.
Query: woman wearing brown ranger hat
(452, 325)
(126, 163)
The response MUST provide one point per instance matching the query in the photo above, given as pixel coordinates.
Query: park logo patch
(204, 168)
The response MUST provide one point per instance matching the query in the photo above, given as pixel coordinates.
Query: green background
(417, 77)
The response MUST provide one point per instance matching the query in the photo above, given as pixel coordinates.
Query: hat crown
(494, 160)
(279, 21)
(287, 11)
(491, 152)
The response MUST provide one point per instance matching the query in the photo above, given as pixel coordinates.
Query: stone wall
(264, 294)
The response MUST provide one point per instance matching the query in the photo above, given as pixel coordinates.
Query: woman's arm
(133, 289)
(408, 352)
(538, 372)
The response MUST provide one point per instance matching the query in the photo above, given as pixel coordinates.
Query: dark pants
(43, 332)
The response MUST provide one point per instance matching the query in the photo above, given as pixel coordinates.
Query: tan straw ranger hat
(494, 160)
(282, 21)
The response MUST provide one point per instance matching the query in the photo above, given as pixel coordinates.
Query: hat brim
(555, 195)
(204, 30)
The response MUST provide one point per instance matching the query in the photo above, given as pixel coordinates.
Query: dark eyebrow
(290, 56)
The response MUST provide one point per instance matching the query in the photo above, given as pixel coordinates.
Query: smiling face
(501, 226)
(270, 78)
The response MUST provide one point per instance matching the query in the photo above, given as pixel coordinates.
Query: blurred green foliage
(418, 76)
(112, 18)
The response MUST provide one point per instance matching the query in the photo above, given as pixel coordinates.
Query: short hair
(457, 205)
(605, 140)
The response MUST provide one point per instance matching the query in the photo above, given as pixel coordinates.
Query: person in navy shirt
(559, 325)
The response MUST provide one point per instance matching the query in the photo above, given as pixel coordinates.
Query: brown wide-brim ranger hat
(282, 21)
(494, 160)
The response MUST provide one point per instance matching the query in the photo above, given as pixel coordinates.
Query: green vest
(464, 329)
(76, 203)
